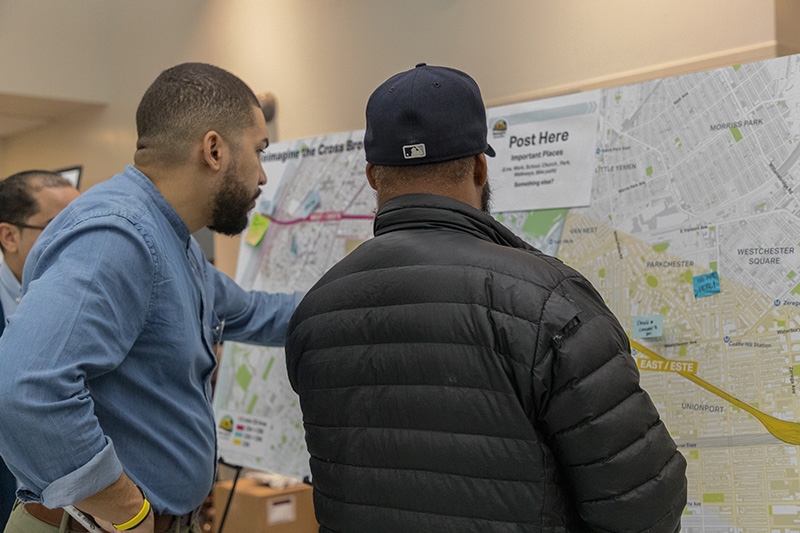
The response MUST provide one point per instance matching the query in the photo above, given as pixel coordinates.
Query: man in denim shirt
(29, 200)
(105, 396)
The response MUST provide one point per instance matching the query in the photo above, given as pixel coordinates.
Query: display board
(692, 236)
(315, 208)
(544, 152)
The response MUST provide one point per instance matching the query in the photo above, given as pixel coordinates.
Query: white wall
(90, 50)
(322, 58)
(49, 48)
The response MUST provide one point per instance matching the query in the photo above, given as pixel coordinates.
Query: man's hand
(116, 504)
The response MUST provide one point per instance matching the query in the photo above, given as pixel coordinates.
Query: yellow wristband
(136, 520)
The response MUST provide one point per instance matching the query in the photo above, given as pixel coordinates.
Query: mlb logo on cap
(413, 151)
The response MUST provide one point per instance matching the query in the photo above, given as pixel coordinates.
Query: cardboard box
(259, 509)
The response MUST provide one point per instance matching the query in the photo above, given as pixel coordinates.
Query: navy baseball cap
(425, 115)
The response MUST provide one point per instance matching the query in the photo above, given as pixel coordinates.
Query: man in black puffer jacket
(452, 377)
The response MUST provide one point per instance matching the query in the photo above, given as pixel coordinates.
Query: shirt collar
(136, 176)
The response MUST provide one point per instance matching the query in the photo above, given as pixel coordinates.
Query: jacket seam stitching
(415, 510)
(437, 472)
(519, 439)
(636, 488)
(621, 450)
(436, 385)
(584, 421)
(564, 276)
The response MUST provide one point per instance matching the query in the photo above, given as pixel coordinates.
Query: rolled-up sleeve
(88, 289)
(90, 478)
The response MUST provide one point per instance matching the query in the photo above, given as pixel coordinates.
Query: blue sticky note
(706, 285)
(646, 327)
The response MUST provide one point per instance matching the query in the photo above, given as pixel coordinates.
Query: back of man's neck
(456, 193)
(175, 185)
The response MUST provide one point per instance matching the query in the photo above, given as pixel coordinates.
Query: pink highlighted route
(329, 216)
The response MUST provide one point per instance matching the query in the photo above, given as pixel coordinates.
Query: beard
(231, 205)
(486, 197)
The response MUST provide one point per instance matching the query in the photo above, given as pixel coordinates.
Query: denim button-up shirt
(106, 365)
(10, 292)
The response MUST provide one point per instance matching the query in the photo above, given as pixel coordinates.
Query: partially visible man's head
(183, 104)
(28, 202)
(427, 124)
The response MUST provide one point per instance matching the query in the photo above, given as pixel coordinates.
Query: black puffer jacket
(453, 378)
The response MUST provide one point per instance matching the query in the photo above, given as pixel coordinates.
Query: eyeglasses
(30, 227)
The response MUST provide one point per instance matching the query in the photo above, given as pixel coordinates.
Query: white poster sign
(546, 152)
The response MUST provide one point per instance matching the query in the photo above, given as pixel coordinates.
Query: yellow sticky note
(258, 227)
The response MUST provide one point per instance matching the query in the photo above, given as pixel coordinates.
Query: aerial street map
(319, 208)
(692, 236)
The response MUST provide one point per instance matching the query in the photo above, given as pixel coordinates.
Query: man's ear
(9, 237)
(214, 150)
(481, 172)
(371, 175)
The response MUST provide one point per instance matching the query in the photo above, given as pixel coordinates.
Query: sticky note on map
(258, 227)
(706, 285)
(647, 327)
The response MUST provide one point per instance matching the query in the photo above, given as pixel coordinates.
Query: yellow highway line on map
(785, 431)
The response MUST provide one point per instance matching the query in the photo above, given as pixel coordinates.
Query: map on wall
(316, 207)
(692, 237)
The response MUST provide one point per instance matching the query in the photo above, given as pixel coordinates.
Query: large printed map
(696, 175)
(694, 181)
(319, 207)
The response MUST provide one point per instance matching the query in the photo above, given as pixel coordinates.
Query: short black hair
(187, 101)
(17, 203)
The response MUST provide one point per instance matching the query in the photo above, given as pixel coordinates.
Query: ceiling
(22, 113)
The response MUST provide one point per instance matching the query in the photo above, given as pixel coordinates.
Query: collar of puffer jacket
(429, 211)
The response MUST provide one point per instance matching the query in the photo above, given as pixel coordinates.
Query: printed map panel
(696, 177)
(694, 218)
(322, 209)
